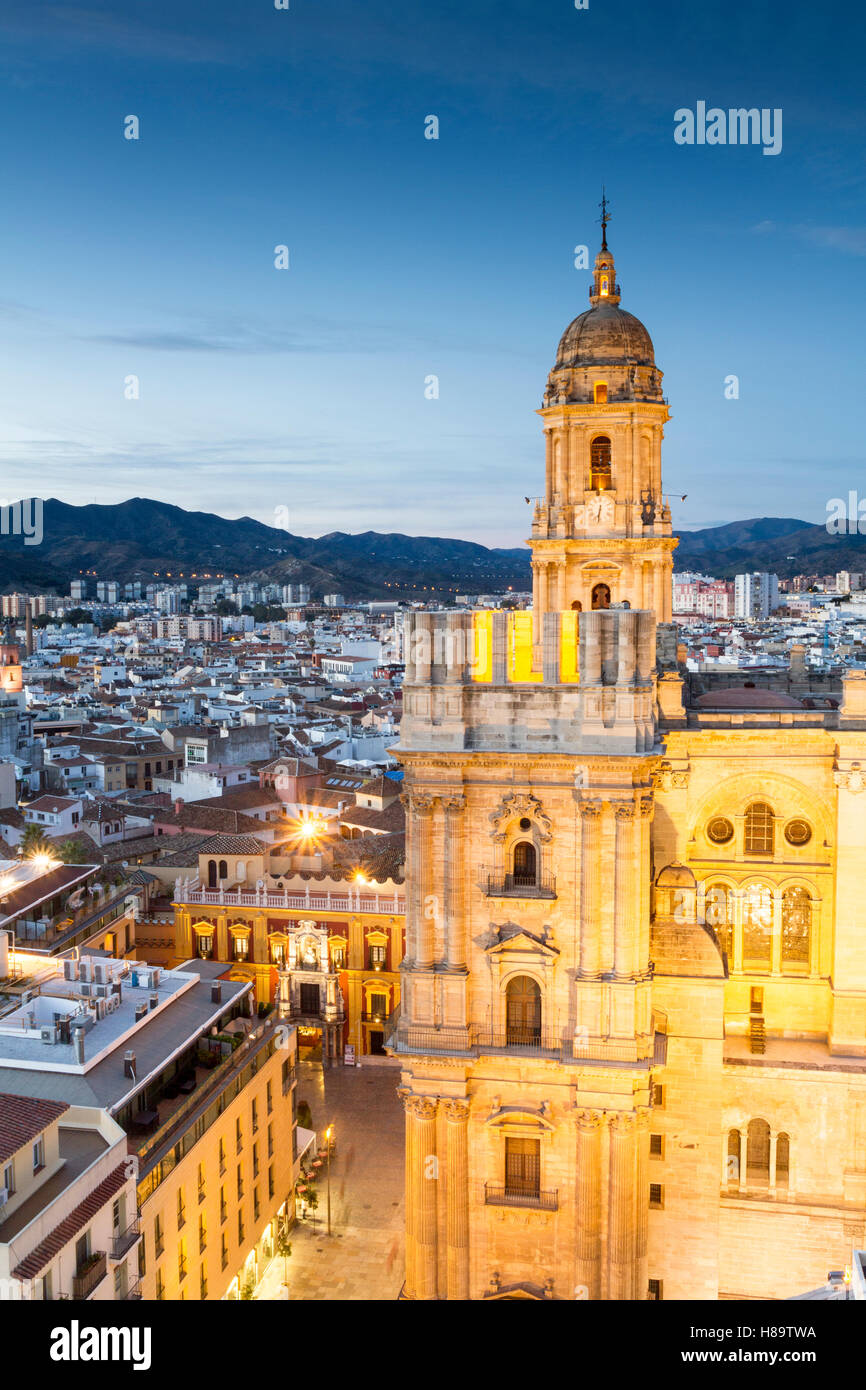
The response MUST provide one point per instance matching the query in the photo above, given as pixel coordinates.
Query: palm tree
(35, 841)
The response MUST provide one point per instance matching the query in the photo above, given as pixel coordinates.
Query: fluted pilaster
(455, 938)
(457, 1118)
(588, 1203)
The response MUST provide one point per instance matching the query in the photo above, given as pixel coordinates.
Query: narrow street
(363, 1258)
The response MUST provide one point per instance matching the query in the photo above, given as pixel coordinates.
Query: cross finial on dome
(605, 217)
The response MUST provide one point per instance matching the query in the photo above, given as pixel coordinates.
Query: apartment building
(200, 1099)
(68, 1220)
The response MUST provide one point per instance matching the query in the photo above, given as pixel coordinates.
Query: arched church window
(522, 1010)
(599, 463)
(224, 872)
(759, 828)
(525, 864)
(758, 1154)
(601, 596)
(719, 914)
(783, 1160)
(211, 873)
(796, 927)
(757, 927)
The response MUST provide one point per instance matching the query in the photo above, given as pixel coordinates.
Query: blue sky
(304, 389)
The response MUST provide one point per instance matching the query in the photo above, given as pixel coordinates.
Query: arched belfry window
(224, 872)
(525, 864)
(599, 462)
(211, 873)
(522, 1010)
(759, 829)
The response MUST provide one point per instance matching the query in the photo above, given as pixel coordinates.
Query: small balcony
(89, 1275)
(124, 1240)
(537, 885)
(519, 1197)
(134, 1290)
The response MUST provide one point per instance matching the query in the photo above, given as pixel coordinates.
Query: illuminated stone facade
(633, 1028)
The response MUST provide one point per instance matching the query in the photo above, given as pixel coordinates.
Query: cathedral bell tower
(526, 1032)
(601, 534)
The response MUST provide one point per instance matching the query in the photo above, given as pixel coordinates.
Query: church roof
(604, 336)
(746, 697)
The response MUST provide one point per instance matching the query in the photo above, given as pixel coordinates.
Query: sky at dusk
(304, 389)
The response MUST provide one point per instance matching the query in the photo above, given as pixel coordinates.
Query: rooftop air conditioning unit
(70, 970)
(100, 1008)
(50, 1033)
(85, 970)
(86, 990)
(100, 972)
(100, 990)
(112, 1003)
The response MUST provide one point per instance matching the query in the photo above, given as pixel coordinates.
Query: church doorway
(601, 596)
(522, 1011)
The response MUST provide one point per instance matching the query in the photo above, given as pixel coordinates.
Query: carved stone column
(647, 811)
(457, 1119)
(626, 918)
(422, 820)
(621, 1209)
(424, 1119)
(412, 1192)
(642, 1205)
(588, 1204)
(455, 940)
(590, 887)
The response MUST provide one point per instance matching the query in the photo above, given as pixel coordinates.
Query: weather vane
(604, 219)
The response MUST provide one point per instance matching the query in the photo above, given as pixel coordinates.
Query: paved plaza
(363, 1258)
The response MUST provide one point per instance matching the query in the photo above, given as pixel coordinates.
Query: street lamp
(328, 1132)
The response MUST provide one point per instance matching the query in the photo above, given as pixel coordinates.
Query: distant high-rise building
(78, 589)
(755, 595)
(334, 601)
(296, 593)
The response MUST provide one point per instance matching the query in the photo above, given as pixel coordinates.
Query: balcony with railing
(563, 1045)
(89, 1275)
(535, 1198)
(311, 900)
(124, 1240)
(516, 885)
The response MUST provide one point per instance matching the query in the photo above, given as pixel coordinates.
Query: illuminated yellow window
(601, 393)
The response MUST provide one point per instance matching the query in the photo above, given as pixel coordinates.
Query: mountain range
(145, 539)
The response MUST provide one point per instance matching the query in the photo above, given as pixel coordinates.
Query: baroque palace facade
(633, 1020)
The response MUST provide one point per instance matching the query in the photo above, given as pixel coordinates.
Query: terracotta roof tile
(77, 1219)
(22, 1119)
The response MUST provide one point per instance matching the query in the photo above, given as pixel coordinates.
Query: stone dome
(604, 336)
(604, 346)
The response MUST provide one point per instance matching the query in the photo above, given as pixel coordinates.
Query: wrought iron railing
(84, 1283)
(538, 885)
(125, 1239)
